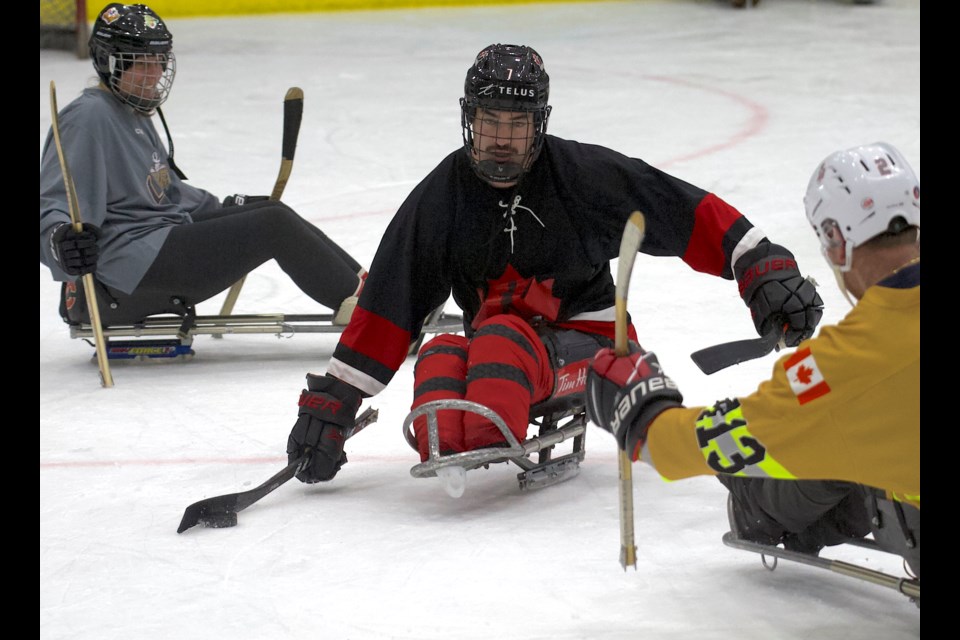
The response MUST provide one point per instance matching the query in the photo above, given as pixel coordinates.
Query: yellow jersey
(844, 406)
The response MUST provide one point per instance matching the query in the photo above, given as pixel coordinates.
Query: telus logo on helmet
(519, 92)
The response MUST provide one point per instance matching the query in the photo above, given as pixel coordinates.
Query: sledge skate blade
(149, 351)
(908, 586)
(551, 473)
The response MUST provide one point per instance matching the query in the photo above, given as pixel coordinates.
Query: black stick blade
(721, 356)
(292, 117)
(216, 512)
(221, 511)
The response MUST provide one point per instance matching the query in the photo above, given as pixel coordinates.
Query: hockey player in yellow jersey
(840, 416)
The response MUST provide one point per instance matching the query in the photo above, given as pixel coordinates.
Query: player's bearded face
(502, 140)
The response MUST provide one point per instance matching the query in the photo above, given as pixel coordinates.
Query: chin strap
(838, 274)
(166, 129)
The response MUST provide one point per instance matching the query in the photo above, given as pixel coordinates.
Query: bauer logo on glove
(625, 394)
(636, 397)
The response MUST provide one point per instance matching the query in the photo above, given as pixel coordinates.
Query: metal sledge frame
(184, 328)
(543, 472)
(908, 586)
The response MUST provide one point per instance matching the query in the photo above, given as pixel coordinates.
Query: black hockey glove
(625, 394)
(778, 296)
(75, 251)
(238, 200)
(327, 408)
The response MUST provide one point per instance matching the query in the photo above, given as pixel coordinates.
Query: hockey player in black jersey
(520, 226)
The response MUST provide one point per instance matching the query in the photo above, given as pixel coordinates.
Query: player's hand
(625, 394)
(239, 199)
(76, 252)
(328, 408)
(778, 296)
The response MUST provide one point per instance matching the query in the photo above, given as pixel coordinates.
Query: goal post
(64, 26)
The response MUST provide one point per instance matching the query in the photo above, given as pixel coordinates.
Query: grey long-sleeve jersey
(124, 186)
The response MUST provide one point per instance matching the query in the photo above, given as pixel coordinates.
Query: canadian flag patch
(804, 376)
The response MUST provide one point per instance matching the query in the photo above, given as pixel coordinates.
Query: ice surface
(743, 103)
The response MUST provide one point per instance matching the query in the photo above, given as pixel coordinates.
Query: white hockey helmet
(860, 193)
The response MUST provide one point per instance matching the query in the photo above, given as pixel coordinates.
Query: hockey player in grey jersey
(155, 243)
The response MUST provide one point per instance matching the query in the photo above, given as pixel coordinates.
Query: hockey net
(63, 25)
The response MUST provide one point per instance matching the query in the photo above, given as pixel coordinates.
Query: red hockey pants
(505, 367)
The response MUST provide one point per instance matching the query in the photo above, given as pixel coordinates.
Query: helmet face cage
(142, 80)
(504, 112)
(833, 244)
(132, 53)
(858, 194)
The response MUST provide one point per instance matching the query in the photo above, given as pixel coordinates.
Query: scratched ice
(743, 103)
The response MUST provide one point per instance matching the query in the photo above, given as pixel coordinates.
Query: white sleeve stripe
(750, 239)
(603, 315)
(355, 377)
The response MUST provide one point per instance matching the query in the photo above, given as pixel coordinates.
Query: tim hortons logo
(763, 268)
(571, 381)
(626, 404)
(314, 401)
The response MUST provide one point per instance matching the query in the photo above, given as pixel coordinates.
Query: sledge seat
(557, 420)
(126, 315)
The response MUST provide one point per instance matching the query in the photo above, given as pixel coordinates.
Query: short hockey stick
(73, 206)
(721, 356)
(221, 511)
(629, 246)
(292, 116)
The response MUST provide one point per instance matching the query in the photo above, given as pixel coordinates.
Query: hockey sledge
(558, 420)
(770, 556)
(169, 337)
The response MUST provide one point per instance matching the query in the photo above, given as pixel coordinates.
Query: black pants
(806, 514)
(199, 260)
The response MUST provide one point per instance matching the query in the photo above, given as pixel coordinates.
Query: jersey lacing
(510, 210)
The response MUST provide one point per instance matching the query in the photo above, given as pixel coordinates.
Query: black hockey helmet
(506, 77)
(121, 34)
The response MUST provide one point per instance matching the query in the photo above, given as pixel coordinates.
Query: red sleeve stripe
(376, 338)
(712, 219)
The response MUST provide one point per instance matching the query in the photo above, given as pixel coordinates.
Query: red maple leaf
(804, 374)
(525, 297)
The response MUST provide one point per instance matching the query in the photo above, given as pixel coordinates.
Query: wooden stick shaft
(73, 206)
(292, 116)
(629, 245)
